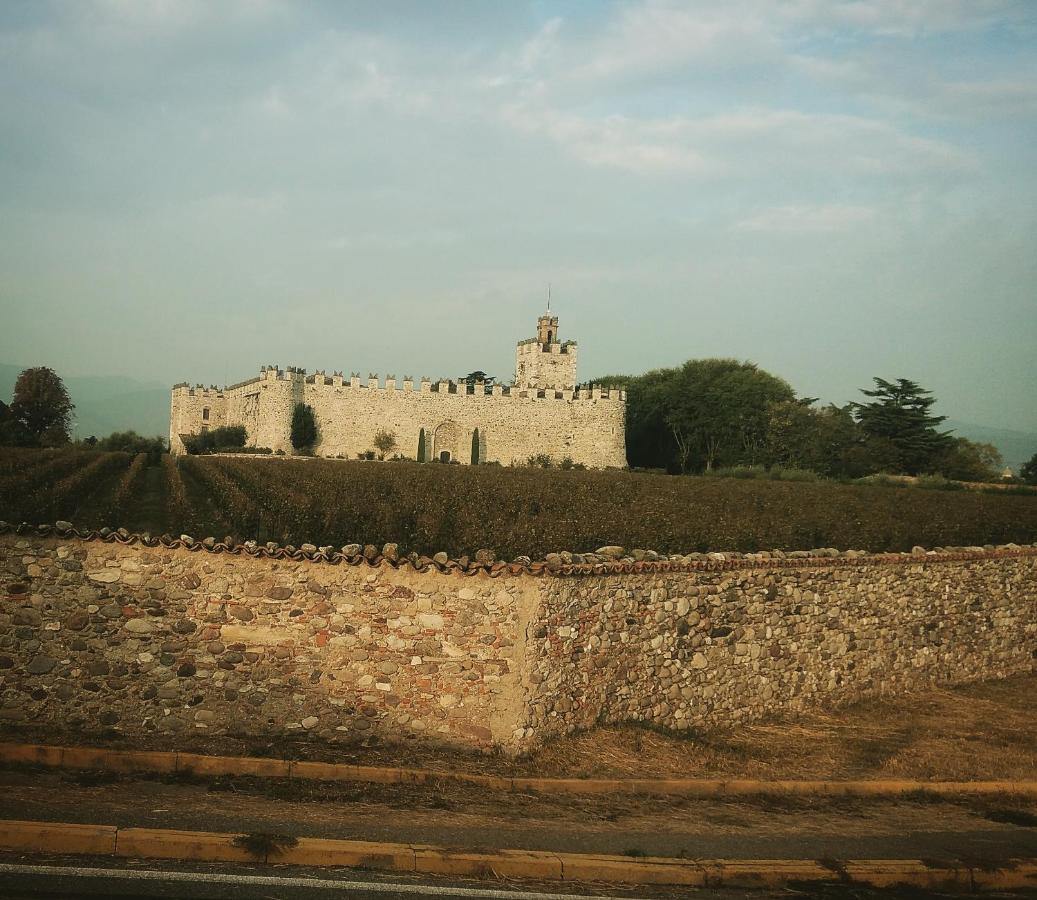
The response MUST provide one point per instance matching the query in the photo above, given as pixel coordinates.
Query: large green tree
(1028, 472)
(12, 432)
(898, 422)
(707, 413)
(717, 411)
(824, 440)
(966, 460)
(42, 407)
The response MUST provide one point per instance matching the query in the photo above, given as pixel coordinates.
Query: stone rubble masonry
(104, 633)
(544, 411)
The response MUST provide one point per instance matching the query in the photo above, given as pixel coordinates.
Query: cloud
(899, 18)
(799, 220)
(749, 142)
(162, 19)
(654, 37)
(613, 141)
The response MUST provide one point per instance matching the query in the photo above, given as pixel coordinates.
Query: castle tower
(547, 328)
(544, 362)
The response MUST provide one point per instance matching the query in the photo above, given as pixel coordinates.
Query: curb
(201, 846)
(168, 762)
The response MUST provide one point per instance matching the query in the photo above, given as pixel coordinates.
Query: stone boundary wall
(97, 634)
(719, 648)
(163, 636)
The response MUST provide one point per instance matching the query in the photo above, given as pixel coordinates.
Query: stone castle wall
(166, 639)
(585, 425)
(546, 365)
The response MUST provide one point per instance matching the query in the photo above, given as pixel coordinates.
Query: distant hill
(107, 403)
(1017, 447)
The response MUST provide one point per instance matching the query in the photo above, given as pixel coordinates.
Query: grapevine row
(65, 498)
(237, 508)
(118, 502)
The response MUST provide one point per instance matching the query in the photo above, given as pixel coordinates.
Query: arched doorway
(444, 446)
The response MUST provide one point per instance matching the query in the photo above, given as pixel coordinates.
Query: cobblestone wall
(169, 640)
(155, 640)
(719, 648)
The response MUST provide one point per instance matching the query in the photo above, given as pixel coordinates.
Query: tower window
(205, 414)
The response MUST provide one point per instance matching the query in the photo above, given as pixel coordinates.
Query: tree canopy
(706, 413)
(720, 413)
(900, 424)
(40, 413)
(1028, 472)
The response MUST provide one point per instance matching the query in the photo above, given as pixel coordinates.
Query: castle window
(205, 414)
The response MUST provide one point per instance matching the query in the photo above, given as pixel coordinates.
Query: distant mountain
(107, 403)
(1017, 447)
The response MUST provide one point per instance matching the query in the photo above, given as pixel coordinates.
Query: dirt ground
(450, 814)
(975, 732)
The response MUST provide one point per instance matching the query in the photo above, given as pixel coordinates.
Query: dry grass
(982, 731)
(976, 732)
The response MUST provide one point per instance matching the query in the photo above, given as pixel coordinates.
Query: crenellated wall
(586, 424)
(543, 412)
(194, 636)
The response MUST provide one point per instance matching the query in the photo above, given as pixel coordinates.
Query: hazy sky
(835, 190)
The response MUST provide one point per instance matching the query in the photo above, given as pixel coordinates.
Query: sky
(190, 189)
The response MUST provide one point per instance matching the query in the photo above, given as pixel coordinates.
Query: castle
(543, 411)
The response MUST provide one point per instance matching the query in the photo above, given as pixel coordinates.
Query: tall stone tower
(544, 362)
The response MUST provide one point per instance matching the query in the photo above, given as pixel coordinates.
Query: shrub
(131, 442)
(883, 479)
(228, 437)
(937, 483)
(780, 473)
(384, 442)
(737, 472)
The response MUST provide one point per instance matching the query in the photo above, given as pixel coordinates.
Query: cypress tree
(304, 427)
(421, 445)
(475, 447)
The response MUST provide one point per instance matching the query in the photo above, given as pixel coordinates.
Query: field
(459, 509)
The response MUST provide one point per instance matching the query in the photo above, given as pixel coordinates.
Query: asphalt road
(69, 878)
(64, 879)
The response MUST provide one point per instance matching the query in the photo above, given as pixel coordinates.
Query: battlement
(183, 389)
(544, 410)
(532, 345)
(390, 384)
(448, 387)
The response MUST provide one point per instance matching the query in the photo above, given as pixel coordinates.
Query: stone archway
(445, 442)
